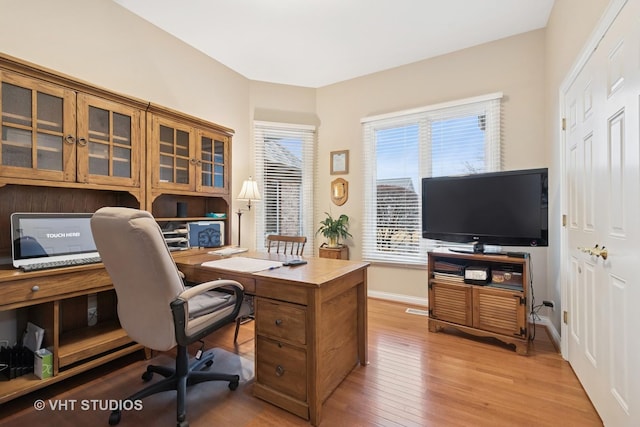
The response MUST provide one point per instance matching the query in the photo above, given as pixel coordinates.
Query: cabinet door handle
(193, 161)
(35, 288)
(69, 139)
(82, 142)
(279, 371)
(278, 322)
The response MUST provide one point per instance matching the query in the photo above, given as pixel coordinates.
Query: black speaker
(182, 210)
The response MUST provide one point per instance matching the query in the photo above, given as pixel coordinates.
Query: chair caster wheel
(147, 376)
(233, 385)
(114, 418)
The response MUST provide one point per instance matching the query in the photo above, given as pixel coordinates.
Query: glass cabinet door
(173, 154)
(109, 140)
(38, 129)
(212, 167)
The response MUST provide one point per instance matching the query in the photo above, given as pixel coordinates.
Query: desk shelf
(76, 347)
(89, 342)
(27, 383)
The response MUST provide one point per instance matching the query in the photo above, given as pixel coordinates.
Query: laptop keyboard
(59, 264)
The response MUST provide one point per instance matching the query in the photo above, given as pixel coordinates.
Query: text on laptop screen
(47, 235)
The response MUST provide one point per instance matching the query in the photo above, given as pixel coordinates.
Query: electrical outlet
(549, 304)
(92, 316)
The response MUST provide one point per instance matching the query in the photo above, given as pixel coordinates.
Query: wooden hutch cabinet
(68, 146)
(496, 308)
(189, 162)
(53, 133)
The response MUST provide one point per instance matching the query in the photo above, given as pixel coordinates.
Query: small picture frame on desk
(339, 162)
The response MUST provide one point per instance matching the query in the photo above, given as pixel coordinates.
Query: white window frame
(417, 255)
(307, 133)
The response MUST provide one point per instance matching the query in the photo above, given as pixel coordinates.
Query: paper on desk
(228, 251)
(242, 264)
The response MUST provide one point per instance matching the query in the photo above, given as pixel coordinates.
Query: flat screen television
(499, 208)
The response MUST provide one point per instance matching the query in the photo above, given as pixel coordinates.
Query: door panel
(602, 184)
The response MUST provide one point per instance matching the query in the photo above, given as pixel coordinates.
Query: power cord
(534, 308)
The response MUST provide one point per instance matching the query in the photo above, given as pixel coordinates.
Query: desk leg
(363, 347)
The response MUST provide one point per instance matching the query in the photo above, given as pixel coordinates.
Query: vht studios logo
(88, 405)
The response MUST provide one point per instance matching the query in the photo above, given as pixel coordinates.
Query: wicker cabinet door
(499, 311)
(451, 302)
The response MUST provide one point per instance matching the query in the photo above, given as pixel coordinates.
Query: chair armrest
(191, 330)
(208, 286)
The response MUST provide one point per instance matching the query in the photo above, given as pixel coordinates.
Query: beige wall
(568, 30)
(104, 44)
(514, 66)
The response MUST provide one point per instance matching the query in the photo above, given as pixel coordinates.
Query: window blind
(400, 149)
(285, 169)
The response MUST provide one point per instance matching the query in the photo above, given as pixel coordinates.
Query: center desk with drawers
(311, 325)
(310, 330)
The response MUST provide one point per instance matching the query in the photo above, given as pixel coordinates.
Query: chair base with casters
(178, 379)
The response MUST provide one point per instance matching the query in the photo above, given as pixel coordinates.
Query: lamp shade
(249, 191)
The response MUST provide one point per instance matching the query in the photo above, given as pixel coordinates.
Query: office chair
(288, 245)
(291, 245)
(155, 308)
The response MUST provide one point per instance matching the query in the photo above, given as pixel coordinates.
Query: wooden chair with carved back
(288, 245)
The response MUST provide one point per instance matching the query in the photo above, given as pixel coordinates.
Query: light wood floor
(415, 378)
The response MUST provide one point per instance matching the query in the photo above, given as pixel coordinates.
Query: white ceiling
(314, 43)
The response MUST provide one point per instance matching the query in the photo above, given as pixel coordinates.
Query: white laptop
(50, 240)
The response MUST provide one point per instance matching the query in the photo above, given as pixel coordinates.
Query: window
(456, 138)
(285, 167)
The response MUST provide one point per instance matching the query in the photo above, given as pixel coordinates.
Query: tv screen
(499, 208)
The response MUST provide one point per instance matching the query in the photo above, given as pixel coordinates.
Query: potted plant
(334, 229)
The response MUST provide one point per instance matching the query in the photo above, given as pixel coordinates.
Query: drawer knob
(35, 288)
(279, 370)
(278, 322)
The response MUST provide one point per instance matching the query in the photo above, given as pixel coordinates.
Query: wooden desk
(311, 325)
(56, 300)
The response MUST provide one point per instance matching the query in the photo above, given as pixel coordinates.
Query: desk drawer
(281, 367)
(42, 287)
(281, 320)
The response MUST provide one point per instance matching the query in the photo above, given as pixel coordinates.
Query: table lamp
(248, 193)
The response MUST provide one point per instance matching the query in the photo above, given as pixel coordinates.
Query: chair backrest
(144, 274)
(292, 245)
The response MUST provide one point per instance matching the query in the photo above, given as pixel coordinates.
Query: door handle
(596, 251)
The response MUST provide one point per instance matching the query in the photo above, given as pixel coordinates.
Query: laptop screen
(39, 237)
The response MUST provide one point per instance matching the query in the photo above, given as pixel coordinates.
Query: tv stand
(497, 309)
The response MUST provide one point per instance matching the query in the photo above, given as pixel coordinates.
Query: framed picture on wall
(339, 162)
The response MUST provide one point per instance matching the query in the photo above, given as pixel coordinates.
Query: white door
(602, 188)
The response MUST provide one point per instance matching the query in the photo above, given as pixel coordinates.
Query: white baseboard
(553, 332)
(398, 298)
